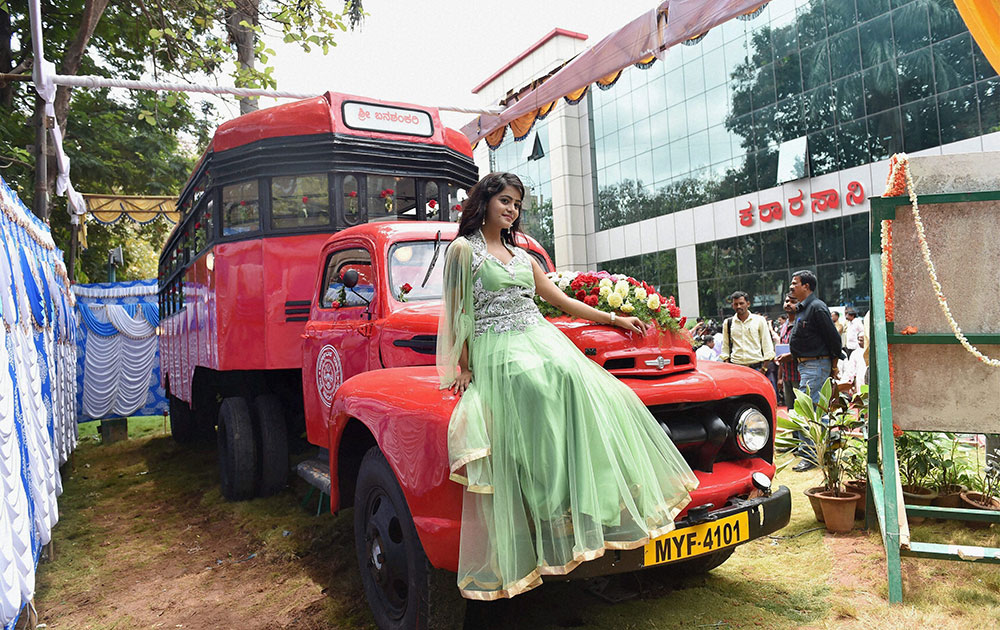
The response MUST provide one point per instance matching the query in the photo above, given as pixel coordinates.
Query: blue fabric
(11, 318)
(148, 305)
(151, 312)
(34, 299)
(104, 329)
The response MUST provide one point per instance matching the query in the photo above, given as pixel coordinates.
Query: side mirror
(350, 278)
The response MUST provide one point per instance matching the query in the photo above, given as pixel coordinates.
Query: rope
(90, 81)
(925, 250)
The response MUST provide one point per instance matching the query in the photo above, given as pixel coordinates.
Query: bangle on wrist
(612, 322)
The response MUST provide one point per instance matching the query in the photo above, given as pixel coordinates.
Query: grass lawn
(145, 540)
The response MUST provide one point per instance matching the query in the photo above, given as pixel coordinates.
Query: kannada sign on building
(818, 202)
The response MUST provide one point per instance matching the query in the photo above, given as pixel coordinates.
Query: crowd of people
(801, 349)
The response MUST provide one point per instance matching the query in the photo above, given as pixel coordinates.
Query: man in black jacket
(815, 344)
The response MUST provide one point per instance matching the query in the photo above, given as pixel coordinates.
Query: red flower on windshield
(406, 288)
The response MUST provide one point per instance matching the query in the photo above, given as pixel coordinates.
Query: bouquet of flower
(616, 293)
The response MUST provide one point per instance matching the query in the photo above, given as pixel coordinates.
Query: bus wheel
(183, 426)
(402, 589)
(237, 450)
(273, 444)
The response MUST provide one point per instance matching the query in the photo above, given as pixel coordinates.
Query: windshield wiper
(434, 259)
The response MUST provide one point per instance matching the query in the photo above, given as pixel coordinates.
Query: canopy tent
(108, 209)
(640, 41)
(118, 365)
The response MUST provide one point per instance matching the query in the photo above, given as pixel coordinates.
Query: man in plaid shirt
(788, 369)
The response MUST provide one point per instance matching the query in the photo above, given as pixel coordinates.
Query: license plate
(689, 542)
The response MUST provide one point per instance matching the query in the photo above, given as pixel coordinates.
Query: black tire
(237, 450)
(404, 592)
(183, 425)
(273, 435)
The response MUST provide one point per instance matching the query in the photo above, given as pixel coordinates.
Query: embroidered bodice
(503, 294)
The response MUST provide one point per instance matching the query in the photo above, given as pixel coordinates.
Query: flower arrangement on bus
(616, 293)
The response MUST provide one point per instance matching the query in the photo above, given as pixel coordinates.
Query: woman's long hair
(475, 205)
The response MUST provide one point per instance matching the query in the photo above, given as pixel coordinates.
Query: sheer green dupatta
(468, 434)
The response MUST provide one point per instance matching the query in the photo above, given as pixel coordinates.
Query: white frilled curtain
(119, 357)
(37, 396)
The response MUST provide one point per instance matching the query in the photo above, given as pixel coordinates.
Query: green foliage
(201, 36)
(918, 455)
(988, 482)
(827, 424)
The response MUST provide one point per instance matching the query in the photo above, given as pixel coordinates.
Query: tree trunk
(245, 39)
(92, 11)
(6, 61)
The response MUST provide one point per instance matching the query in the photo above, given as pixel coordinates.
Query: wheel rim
(385, 554)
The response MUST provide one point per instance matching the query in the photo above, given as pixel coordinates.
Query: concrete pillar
(572, 190)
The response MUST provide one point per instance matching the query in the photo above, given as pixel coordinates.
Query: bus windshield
(408, 263)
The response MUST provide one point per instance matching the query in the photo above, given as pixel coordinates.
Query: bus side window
(240, 208)
(300, 201)
(357, 259)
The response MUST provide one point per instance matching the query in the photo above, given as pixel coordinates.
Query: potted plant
(856, 468)
(987, 493)
(826, 425)
(917, 454)
(953, 473)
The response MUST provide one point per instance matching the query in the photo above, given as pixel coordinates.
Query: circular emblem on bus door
(329, 373)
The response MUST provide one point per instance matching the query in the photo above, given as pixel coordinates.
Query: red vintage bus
(237, 274)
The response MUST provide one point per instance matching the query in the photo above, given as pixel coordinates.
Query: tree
(198, 36)
(132, 143)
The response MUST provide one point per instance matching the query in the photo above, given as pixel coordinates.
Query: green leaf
(155, 33)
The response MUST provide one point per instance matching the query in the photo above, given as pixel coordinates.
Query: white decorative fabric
(37, 398)
(134, 328)
(116, 292)
(117, 369)
(16, 563)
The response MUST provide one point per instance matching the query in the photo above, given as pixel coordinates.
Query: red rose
(305, 199)
(590, 300)
(674, 311)
(683, 321)
(457, 207)
(335, 304)
(352, 193)
(243, 203)
(406, 288)
(595, 291)
(647, 288)
(576, 283)
(581, 295)
(432, 203)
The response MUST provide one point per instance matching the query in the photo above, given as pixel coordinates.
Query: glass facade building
(859, 80)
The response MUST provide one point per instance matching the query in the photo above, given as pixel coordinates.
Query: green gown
(560, 459)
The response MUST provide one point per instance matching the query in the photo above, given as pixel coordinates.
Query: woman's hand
(462, 382)
(631, 324)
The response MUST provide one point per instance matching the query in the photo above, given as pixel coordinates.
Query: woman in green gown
(560, 460)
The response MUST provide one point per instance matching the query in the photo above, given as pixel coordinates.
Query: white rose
(622, 288)
(640, 293)
(564, 284)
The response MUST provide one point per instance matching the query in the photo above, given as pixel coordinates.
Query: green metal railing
(883, 500)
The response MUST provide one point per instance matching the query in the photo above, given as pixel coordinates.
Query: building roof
(513, 62)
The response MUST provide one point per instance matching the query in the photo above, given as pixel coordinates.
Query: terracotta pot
(813, 494)
(838, 511)
(949, 496)
(976, 501)
(917, 495)
(861, 488)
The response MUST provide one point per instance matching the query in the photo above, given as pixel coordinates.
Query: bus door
(339, 340)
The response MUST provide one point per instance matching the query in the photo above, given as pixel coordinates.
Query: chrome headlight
(753, 431)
